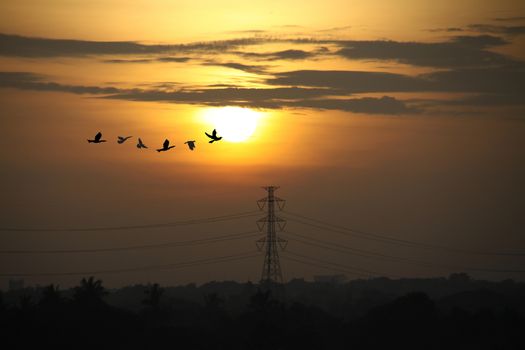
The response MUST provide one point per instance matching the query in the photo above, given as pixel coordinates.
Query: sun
(234, 124)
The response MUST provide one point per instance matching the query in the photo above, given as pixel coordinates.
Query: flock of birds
(165, 146)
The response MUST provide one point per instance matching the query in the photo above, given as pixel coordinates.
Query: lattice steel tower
(271, 272)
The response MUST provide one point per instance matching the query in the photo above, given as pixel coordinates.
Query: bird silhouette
(191, 144)
(213, 136)
(165, 146)
(97, 138)
(141, 144)
(122, 139)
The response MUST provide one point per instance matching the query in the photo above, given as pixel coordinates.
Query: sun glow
(234, 124)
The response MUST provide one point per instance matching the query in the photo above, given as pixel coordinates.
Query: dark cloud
(30, 81)
(139, 60)
(350, 81)
(239, 66)
(15, 45)
(293, 97)
(149, 60)
(273, 98)
(494, 99)
(334, 29)
(223, 96)
(461, 51)
(509, 19)
(248, 31)
(449, 29)
(478, 41)
(497, 29)
(368, 105)
(315, 88)
(496, 80)
(279, 55)
(173, 59)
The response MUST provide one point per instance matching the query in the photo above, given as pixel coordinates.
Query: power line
(359, 252)
(192, 242)
(135, 227)
(355, 251)
(387, 239)
(351, 268)
(208, 261)
(324, 267)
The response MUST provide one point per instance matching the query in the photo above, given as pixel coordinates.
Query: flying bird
(141, 145)
(165, 146)
(213, 136)
(97, 138)
(122, 139)
(191, 144)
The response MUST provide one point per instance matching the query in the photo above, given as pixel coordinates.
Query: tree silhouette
(153, 294)
(89, 293)
(213, 302)
(25, 301)
(50, 297)
(2, 306)
(261, 301)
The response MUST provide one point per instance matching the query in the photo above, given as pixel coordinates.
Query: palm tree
(90, 292)
(153, 294)
(212, 302)
(50, 296)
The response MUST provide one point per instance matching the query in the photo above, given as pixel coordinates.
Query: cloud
(368, 105)
(279, 55)
(248, 31)
(139, 60)
(239, 66)
(149, 60)
(292, 97)
(493, 99)
(350, 81)
(448, 29)
(30, 81)
(510, 19)
(508, 30)
(497, 29)
(334, 29)
(495, 80)
(461, 51)
(21, 46)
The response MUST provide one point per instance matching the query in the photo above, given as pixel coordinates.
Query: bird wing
(214, 133)
(166, 143)
(208, 135)
(120, 138)
(98, 136)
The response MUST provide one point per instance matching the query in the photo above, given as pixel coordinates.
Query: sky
(395, 131)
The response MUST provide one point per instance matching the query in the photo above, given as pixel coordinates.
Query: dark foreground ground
(439, 313)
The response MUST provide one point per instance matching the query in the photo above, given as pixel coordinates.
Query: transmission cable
(135, 227)
(192, 263)
(386, 239)
(192, 242)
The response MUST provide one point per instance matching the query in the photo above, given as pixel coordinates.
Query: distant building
(16, 284)
(334, 279)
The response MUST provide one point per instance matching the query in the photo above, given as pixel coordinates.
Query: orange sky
(402, 117)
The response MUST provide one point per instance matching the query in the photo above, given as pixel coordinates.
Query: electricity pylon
(271, 273)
